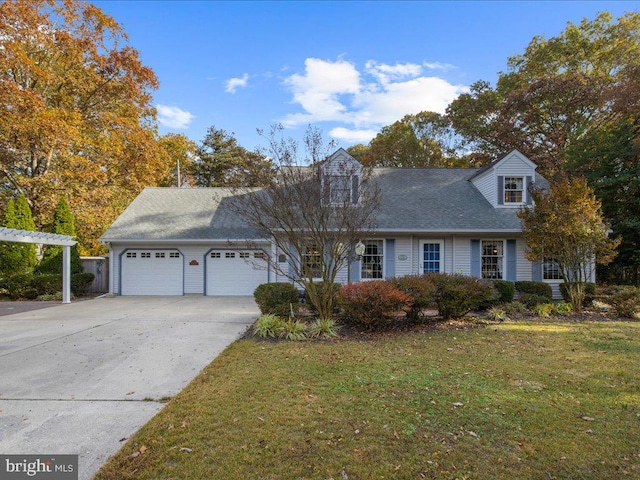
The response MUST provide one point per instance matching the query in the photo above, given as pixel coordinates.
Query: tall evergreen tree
(63, 224)
(18, 257)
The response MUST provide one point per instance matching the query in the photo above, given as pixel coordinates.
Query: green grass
(543, 400)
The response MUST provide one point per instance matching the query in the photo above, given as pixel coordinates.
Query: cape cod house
(176, 241)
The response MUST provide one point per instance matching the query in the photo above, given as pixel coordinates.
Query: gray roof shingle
(416, 199)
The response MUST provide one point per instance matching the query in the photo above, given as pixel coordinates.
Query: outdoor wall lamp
(359, 248)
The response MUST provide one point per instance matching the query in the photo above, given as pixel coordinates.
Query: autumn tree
(179, 152)
(220, 161)
(314, 223)
(566, 225)
(17, 257)
(63, 224)
(75, 112)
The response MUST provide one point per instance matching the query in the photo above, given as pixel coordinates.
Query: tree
(63, 224)
(17, 257)
(416, 141)
(180, 153)
(220, 162)
(316, 230)
(75, 112)
(566, 225)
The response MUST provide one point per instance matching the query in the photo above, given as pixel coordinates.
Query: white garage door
(152, 272)
(235, 272)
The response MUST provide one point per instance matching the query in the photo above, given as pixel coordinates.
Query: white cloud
(438, 66)
(173, 117)
(363, 102)
(233, 84)
(352, 136)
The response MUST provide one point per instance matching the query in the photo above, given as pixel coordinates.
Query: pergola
(66, 241)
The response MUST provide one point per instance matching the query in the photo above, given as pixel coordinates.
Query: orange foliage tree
(76, 117)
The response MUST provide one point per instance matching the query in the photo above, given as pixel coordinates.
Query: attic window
(513, 189)
(340, 188)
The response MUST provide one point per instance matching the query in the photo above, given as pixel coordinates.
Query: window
(340, 187)
(145, 255)
(244, 254)
(131, 255)
(550, 269)
(215, 254)
(513, 189)
(371, 263)
(260, 255)
(312, 262)
(492, 259)
(174, 255)
(431, 257)
(159, 254)
(229, 255)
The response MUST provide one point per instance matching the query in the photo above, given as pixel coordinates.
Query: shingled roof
(412, 200)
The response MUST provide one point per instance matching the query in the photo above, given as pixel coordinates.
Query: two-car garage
(162, 271)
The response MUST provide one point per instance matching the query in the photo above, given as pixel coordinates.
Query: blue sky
(348, 68)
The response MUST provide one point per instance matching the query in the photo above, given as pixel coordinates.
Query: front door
(431, 256)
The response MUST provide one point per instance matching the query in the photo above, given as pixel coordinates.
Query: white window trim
(348, 184)
(505, 203)
(504, 256)
(421, 253)
(550, 280)
(384, 268)
(303, 265)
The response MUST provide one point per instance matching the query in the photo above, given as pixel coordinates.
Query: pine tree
(63, 224)
(17, 257)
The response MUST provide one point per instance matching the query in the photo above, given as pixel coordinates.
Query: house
(173, 241)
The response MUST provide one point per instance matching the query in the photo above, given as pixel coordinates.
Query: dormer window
(513, 189)
(340, 189)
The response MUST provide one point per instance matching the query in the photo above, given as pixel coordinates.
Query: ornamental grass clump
(268, 326)
(323, 328)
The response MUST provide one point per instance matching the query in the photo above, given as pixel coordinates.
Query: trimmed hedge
(457, 294)
(589, 292)
(536, 288)
(422, 291)
(30, 286)
(531, 300)
(506, 289)
(277, 298)
(320, 287)
(372, 303)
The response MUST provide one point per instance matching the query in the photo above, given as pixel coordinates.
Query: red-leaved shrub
(372, 303)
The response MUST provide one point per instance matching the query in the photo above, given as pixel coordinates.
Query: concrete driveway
(78, 378)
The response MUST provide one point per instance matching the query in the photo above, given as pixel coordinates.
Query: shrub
(589, 293)
(294, 329)
(563, 309)
(320, 289)
(514, 307)
(268, 326)
(532, 299)
(21, 286)
(624, 300)
(420, 288)
(457, 294)
(537, 288)
(372, 303)
(498, 314)
(324, 328)
(47, 284)
(276, 298)
(506, 289)
(543, 309)
(80, 283)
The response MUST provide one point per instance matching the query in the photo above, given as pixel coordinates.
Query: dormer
(341, 174)
(505, 182)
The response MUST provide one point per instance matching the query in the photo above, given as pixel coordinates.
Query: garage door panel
(235, 272)
(148, 272)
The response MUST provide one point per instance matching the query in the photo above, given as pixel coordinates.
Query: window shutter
(390, 257)
(527, 185)
(537, 271)
(355, 194)
(475, 258)
(500, 190)
(293, 261)
(511, 261)
(354, 269)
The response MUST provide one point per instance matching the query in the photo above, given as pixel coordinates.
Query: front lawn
(526, 400)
